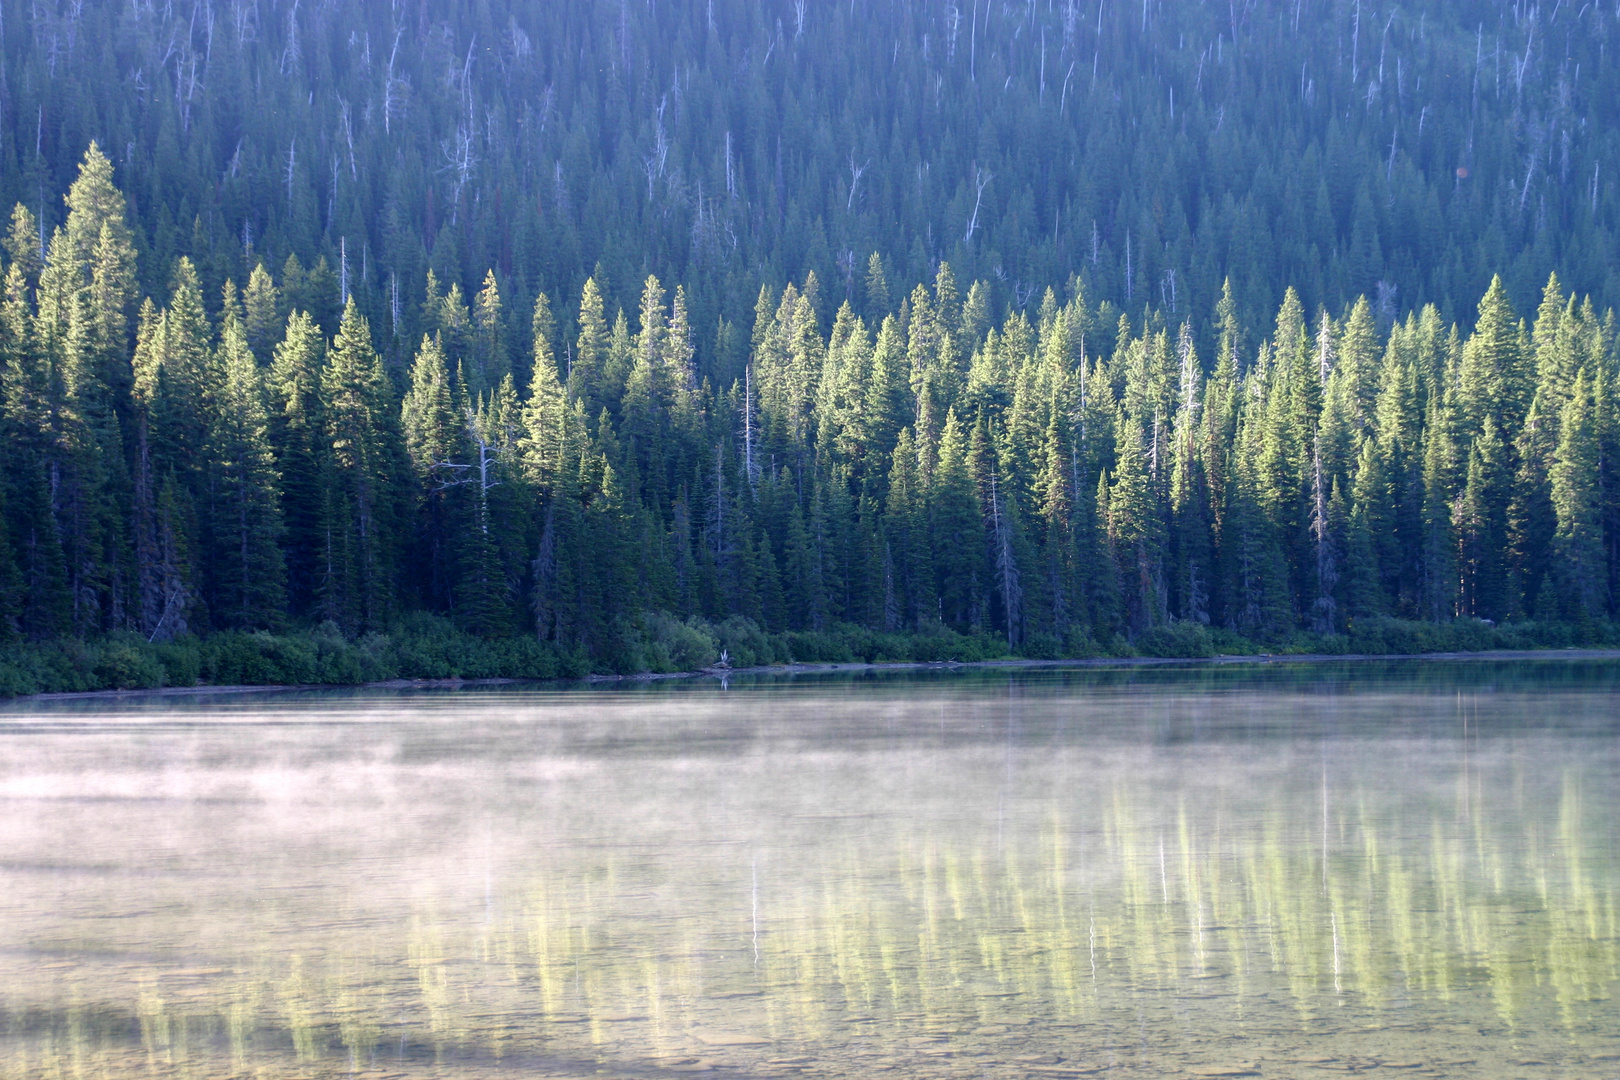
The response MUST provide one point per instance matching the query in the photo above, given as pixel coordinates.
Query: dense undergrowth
(428, 647)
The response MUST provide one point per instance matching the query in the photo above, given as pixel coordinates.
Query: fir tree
(1576, 498)
(357, 558)
(432, 422)
(248, 571)
(958, 531)
(492, 363)
(906, 536)
(261, 304)
(546, 413)
(1134, 526)
(298, 438)
(1482, 528)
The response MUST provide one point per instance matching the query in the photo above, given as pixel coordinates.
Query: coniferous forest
(344, 341)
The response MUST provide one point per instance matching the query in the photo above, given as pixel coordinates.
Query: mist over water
(1276, 871)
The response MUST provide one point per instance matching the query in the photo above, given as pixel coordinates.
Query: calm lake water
(1281, 871)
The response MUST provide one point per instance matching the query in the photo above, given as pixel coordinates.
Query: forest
(358, 341)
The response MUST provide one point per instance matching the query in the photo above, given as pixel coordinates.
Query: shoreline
(720, 673)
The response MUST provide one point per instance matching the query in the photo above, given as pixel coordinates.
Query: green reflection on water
(1049, 885)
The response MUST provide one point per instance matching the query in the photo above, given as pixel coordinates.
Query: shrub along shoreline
(425, 647)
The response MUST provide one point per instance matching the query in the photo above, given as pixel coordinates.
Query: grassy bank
(424, 647)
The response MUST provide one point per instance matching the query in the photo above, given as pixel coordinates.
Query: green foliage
(122, 664)
(1018, 432)
(658, 642)
(1181, 640)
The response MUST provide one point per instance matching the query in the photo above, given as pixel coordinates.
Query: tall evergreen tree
(357, 558)
(1578, 543)
(247, 569)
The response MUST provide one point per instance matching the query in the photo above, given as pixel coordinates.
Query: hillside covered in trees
(608, 335)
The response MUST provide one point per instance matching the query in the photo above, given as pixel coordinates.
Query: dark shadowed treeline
(1060, 478)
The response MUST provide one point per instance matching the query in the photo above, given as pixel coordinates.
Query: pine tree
(888, 400)
(78, 438)
(906, 536)
(185, 359)
(1359, 588)
(261, 304)
(556, 585)
(1388, 488)
(1437, 578)
(1254, 572)
(146, 383)
(357, 584)
(433, 424)
(587, 371)
(1189, 492)
(1100, 563)
(1004, 525)
(877, 288)
(1482, 527)
(1495, 377)
(1059, 551)
(958, 531)
(647, 393)
(1370, 514)
(101, 244)
(1581, 561)
(181, 609)
(298, 438)
(22, 243)
(492, 363)
(247, 569)
(1328, 537)
(483, 597)
(546, 413)
(1136, 531)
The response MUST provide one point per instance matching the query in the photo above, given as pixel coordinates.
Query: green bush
(673, 645)
(1042, 646)
(17, 679)
(838, 646)
(1177, 640)
(527, 658)
(423, 646)
(235, 658)
(745, 644)
(181, 660)
(1079, 645)
(125, 662)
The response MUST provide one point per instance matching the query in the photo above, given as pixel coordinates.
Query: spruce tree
(1482, 527)
(1059, 553)
(302, 449)
(357, 558)
(432, 421)
(586, 373)
(1136, 531)
(906, 536)
(247, 569)
(958, 533)
(1495, 377)
(491, 363)
(546, 413)
(1583, 575)
(261, 313)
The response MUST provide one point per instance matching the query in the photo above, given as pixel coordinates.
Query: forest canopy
(1061, 327)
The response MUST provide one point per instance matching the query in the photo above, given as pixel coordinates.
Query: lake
(1279, 870)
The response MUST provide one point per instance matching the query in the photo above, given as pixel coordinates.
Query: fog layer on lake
(1281, 871)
